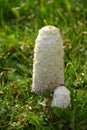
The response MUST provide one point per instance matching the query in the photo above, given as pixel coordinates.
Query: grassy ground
(20, 109)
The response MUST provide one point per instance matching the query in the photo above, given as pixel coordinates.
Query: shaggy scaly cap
(48, 67)
(61, 97)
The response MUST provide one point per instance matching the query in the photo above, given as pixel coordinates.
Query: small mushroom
(61, 97)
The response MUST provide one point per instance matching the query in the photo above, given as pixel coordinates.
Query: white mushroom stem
(48, 67)
(61, 97)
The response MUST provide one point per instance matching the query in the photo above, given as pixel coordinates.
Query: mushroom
(61, 97)
(48, 66)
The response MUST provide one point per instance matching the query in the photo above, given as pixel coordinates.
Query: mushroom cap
(48, 66)
(61, 97)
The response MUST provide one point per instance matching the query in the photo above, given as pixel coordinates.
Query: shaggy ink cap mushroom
(48, 66)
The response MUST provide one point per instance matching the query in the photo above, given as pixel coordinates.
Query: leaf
(16, 11)
(34, 119)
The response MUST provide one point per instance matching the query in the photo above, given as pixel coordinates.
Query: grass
(20, 109)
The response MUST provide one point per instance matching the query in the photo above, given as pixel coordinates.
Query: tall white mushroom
(48, 67)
